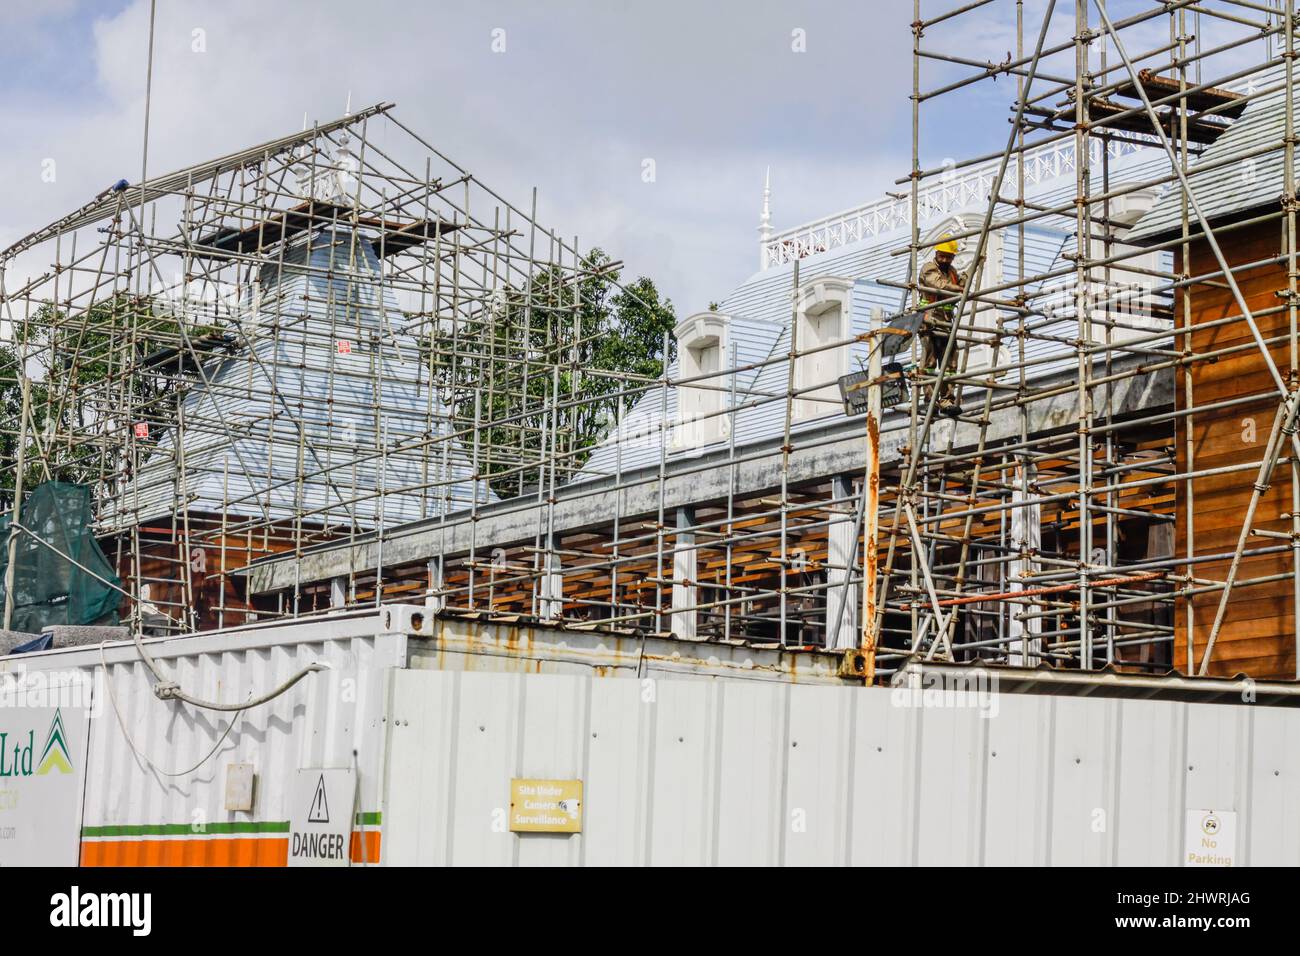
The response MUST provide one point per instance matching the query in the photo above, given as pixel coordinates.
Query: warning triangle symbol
(320, 808)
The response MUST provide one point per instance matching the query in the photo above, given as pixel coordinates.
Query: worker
(941, 280)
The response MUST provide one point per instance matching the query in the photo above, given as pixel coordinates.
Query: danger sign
(320, 828)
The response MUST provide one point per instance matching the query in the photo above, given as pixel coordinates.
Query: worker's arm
(939, 283)
(930, 281)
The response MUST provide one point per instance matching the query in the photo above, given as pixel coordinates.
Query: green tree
(11, 404)
(123, 356)
(544, 363)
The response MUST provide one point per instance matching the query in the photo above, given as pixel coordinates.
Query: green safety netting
(48, 587)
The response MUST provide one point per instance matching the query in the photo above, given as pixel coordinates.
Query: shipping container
(657, 751)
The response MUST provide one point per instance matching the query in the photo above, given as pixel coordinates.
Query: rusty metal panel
(467, 644)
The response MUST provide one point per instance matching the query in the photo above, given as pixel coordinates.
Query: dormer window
(702, 342)
(824, 317)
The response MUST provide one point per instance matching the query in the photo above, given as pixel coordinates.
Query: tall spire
(765, 219)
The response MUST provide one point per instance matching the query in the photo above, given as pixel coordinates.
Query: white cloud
(583, 93)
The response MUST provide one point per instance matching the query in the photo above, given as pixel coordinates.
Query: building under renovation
(318, 423)
(324, 373)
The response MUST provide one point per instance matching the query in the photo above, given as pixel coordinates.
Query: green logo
(55, 754)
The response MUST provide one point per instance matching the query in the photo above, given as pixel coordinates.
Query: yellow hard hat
(946, 245)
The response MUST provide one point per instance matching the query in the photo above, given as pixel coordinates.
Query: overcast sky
(583, 93)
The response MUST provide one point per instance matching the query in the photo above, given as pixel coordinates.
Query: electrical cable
(112, 696)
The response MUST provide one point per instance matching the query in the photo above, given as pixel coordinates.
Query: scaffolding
(298, 343)
(337, 369)
(1030, 537)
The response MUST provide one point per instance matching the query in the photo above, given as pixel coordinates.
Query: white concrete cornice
(702, 330)
(820, 294)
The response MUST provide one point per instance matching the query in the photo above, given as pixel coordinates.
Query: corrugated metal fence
(688, 772)
(729, 770)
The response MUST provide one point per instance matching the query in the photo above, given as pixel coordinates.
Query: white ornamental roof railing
(952, 193)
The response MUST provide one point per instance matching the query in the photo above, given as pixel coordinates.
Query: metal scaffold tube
(1094, 499)
(338, 370)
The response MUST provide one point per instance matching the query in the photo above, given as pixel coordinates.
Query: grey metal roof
(369, 419)
(1232, 190)
(760, 310)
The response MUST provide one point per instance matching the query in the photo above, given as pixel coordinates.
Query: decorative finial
(303, 174)
(765, 219)
(346, 167)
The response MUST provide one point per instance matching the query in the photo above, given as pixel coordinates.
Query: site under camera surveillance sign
(545, 806)
(320, 826)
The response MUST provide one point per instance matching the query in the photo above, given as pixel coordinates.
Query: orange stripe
(372, 847)
(224, 851)
(232, 851)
